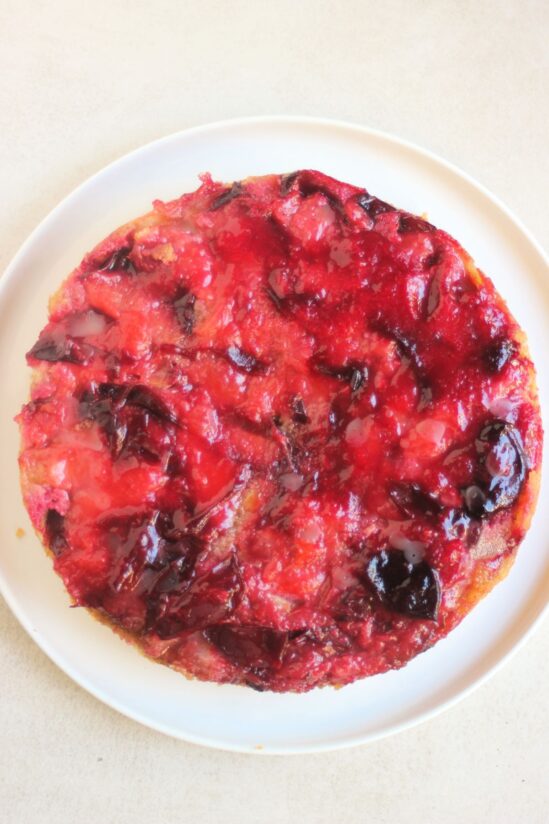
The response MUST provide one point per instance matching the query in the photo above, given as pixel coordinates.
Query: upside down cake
(280, 433)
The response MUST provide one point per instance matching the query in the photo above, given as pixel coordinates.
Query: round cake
(281, 433)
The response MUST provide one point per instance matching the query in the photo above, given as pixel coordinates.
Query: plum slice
(411, 223)
(119, 261)
(501, 469)
(497, 356)
(60, 348)
(133, 419)
(244, 361)
(373, 206)
(225, 197)
(184, 311)
(249, 646)
(355, 374)
(412, 500)
(210, 599)
(410, 589)
(55, 531)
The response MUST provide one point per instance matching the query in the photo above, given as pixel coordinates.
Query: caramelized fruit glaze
(281, 433)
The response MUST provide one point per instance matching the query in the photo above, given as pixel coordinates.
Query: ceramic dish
(232, 717)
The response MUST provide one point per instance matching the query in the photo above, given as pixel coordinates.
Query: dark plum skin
(125, 416)
(373, 206)
(410, 589)
(355, 374)
(299, 412)
(55, 531)
(244, 360)
(411, 223)
(412, 500)
(119, 262)
(502, 470)
(208, 600)
(225, 197)
(499, 354)
(249, 646)
(287, 182)
(61, 349)
(184, 310)
(145, 398)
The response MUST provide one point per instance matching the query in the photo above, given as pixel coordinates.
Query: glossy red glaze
(255, 436)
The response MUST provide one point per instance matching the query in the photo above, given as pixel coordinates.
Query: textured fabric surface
(82, 84)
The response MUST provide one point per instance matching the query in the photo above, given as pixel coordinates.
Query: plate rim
(48, 647)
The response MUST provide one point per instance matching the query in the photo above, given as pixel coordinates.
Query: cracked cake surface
(281, 433)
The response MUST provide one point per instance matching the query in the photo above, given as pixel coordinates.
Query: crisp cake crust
(280, 433)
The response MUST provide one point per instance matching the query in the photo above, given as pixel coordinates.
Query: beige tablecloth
(84, 82)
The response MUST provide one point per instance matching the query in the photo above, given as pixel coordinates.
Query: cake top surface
(277, 429)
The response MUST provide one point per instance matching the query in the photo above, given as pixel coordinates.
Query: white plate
(233, 717)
